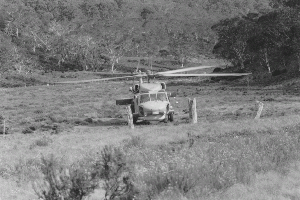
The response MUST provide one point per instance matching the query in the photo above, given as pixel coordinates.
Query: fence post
(129, 117)
(192, 110)
(4, 127)
(260, 108)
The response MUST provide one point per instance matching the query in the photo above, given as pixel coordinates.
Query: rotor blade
(185, 69)
(107, 73)
(142, 75)
(92, 80)
(187, 75)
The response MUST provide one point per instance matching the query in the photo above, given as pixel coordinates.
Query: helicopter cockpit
(159, 96)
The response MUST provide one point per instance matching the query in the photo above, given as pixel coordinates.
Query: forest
(48, 35)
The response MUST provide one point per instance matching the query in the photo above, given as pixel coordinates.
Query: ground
(73, 121)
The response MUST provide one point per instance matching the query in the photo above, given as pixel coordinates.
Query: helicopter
(151, 101)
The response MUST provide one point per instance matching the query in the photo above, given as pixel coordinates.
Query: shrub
(73, 183)
(79, 180)
(88, 120)
(6, 129)
(80, 122)
(113, 169)
(28, 130)
(19, 80)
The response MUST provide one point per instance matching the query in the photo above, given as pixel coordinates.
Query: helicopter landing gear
(166, 119)
(171, 117)
(134, 119)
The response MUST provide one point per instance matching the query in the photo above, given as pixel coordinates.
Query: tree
(271, 35)
(115, 44)
(233, 35)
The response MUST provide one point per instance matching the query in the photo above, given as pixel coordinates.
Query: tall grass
(208, 167)
(194, 169)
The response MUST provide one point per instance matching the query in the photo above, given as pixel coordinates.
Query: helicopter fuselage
(152, 106)
(150, 102)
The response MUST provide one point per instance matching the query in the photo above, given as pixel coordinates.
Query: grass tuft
(42, 142)
(28, 130)
(19, 80)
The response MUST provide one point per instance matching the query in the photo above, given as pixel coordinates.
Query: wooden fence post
(4, 127)
(192, 110)
(260, 108)
(129, 117)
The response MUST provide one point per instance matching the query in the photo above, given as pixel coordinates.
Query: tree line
(94, 34)
(265, 41)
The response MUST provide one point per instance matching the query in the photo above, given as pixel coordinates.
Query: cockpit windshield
(144, 98)
(160, 96)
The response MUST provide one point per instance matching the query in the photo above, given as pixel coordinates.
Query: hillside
(66, 35)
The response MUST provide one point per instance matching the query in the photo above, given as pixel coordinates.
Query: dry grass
(164, 155)
(41, 107)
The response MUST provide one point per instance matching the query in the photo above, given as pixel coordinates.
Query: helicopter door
(136, 88)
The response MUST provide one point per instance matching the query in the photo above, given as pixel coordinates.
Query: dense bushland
(94, 35)
(193, 168)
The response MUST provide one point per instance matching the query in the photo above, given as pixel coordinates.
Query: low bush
(2, 129)
(116, 174)
(28, 130)
(61, 182)
(42, 142)
(137, 170)
(19, 80)
(79, 180)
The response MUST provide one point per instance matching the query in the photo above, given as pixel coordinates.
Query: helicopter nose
(155, 106)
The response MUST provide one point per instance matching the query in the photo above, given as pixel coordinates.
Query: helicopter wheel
(166, 119)
(134, 119)
(171, 117)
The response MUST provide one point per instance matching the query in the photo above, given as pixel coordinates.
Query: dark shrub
(73, 183)
(27, 130)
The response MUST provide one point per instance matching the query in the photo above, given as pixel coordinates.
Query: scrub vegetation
(66, 35)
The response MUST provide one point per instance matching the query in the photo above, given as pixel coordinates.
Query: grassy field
(227, 155)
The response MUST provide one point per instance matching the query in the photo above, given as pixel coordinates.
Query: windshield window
(153, 97)
(144, 98)
(161, 97)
